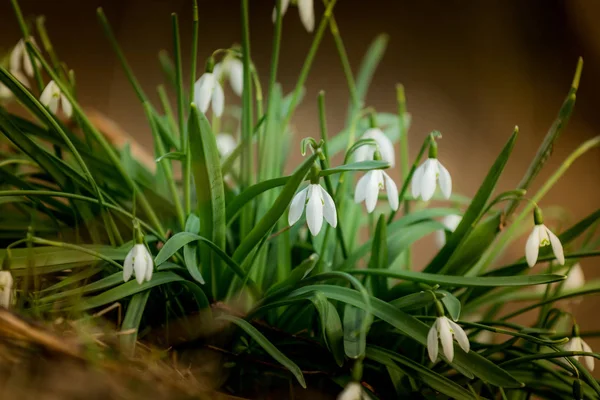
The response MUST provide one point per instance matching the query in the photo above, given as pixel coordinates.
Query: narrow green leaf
(174, 155)
(101, 284)
(133, 317)
(355, 336)
(268, 221)
(356, 166)
(463, 281)
(127, 289)
(473, 212)
(429, 377)
(331, 326)
(206, 167)
(297, 274)
(415, 301)
(267, 346)
(45, 256)
(379, 257)
(234, 207)
(452, 305)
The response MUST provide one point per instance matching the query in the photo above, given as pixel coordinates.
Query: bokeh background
(471, 69)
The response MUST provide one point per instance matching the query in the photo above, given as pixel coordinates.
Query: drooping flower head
(231, 67)
(576, 343)
(541, 236)
(226, 144)
(384, 145)
(353, 391)
(208, 90)
(368, 187)
(138, 261)
(444, 330)
(5, 93)
(53, 98)
(20, 60)
(6, 284)
(428, 174)
(305, 9)
(319, 205)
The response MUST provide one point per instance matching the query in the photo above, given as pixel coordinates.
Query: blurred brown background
(472, 69)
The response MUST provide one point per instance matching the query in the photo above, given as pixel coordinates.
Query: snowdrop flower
(541, 236)
(138, 262)
(578, 344)
(370, 184)
(6, 283)
(451, 223)
(232, 68)
(353, 391)
(575, 278)
(306, 10)
(384, 145)
(226, 144)
(207, 89)
(52, 98)
(442, 330)
(20, 60)
(426, 175)
(319, 205)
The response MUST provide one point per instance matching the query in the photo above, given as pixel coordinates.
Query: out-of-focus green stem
(165, 164)
(309, 60)
(47, 44)
(164, 101)
(325, 165)
(247, 154)
(195, 26)
(401, 100)
(38, 240)
(341, 49)
(25, 32)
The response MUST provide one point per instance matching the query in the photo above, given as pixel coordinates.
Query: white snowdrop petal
(428, 180)
(297, 206)
(575, 279)
(236, 76)
(6, 284)
(446, 338)
(360, 193)
(128, 266)
(556, 247)
(218, 99)
(307, 14)
(460, 336)
(372, 190)
(451, 222)
(53, 104)
(226, 144)
(66, 106)
(16, 55)
(392, 191)
(5, 92)
(329, 210)
(314, 210)
(416, 181)
(284, 7)
(27, 65)
(203, 91)
(47, 94)
(432, 342)
(364, 153)
(149, 266)
(589, 361)
(139, 263)
(445, 180)
(532, 247)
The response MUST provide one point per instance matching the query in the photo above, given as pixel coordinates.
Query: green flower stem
(66, 195)
(508, 234)
(309, 60)
(195, 26)
(179, 81)
(247, 154)
(25, 32)
(546, 356)
(341, 49)
(403, 131)
(430, 138)
(47, 43)
(108, 149)
(38, 240)
(164, 101)
(325, 165)
(165, 164)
